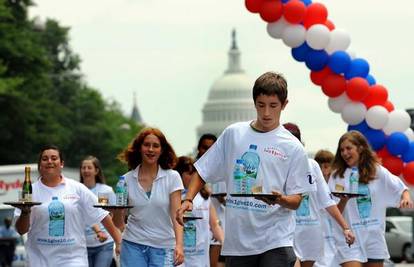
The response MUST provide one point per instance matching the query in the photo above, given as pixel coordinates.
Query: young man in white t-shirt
(262, 155)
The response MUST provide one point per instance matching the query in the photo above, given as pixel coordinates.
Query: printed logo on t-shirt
(310, 179)
(71, 197)
(276, 153)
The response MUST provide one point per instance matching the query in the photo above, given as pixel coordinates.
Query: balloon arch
(345, 79)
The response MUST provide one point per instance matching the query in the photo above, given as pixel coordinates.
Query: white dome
(230, 98)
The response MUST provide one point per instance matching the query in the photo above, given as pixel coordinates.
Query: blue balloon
(370, 79)
(397, 143)
(360, 127)
(359, 67)
(409, 154)
(339, 62)
(307, 2)
(299, 53)
(376, 138)
(285, 1)
(316, 60)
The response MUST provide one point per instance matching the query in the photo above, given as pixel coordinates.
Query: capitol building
(230, 97)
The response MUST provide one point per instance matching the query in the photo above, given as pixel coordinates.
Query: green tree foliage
(43, 99)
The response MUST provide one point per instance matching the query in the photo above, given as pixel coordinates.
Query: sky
(170, 53)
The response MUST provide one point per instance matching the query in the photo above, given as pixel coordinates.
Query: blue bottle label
(56, 218)
(364, 203)
(304, 209)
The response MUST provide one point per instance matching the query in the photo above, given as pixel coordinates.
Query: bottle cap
(253, 147)
(54, 198)
(239, 161)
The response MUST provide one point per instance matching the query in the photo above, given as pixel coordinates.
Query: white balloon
(336, 104)
(377, 117)
(294, 35)
(318, 36)
(275, 29)
(398, 121)
(340, 40)
(410, 134)
(353, 113)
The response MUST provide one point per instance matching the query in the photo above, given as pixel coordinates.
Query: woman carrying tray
(356, 169)
(56, 228)
(152, 236)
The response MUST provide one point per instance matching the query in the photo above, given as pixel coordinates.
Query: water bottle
(304, 209)
(190, 234)
(121, 192)
(251, 165)
(239, 177)
(364, 203)
(56, 218)
(353, 180)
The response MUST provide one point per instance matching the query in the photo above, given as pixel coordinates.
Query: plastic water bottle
(190, 234)
(251, 165)
(304, 209)
(121, 192)
(364, 203)
(56, 218)
(353, 180)
(239, 177)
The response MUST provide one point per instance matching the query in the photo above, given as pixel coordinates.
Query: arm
(119, 218)
(336, 214)
(193, 188)
(23, 221)
(215, 226)
(114, 232)
(175, 200)
(287, 201)
(99, 233)
(342, 204)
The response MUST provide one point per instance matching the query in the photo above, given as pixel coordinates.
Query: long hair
(186, 164)
(132, 154)
(99, 177)
(368, 160)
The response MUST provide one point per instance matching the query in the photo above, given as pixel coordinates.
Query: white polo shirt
(91, 239)
(252, 226)
(149, 221)
(69, 249)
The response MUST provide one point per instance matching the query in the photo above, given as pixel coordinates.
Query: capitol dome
(230, 98)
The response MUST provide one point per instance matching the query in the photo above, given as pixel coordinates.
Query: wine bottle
(27, 185)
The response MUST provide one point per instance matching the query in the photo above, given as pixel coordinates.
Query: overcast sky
(170, 53)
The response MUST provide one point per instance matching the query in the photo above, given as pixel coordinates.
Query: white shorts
(308, 242)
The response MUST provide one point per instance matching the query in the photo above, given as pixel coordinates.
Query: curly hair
(368, 160)
(132, 154)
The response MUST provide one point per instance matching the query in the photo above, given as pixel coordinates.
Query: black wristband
(187, 199)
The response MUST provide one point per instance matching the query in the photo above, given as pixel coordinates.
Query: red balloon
(383, 152)
(394, 164)
(253, 6)
(408, 173)
(377, 95)
(357, 89)
(294, 11)
(318, 76)
(271, 11)
(333, 85)
(330, 25)
(316, 13)
(389, 106)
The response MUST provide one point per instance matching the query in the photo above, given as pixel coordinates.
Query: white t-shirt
(366, 215)
(308, 241)
(252, 226)
(61, 242)
(91, 239)
(149, 221)
(197, 245)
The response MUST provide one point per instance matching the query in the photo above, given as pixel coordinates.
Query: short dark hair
(324, 156)
(271, 83)
(47, 147)
(206, 136)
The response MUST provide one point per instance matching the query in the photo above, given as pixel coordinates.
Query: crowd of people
(201, 212)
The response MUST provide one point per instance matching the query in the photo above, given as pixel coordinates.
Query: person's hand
(178, 255)
(186, 205)
(102, 236)
(406, 203)
(271, 200)
(117, 249)
(349, 237)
